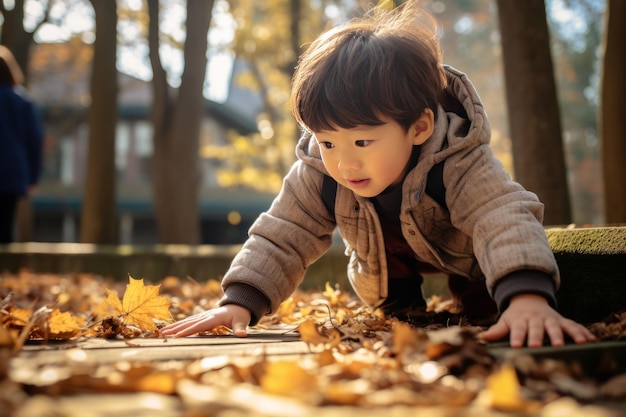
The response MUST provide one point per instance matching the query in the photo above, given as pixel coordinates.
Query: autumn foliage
(354, 356)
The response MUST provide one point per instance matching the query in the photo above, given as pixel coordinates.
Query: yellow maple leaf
(63, 325)
(141, 304)
(103, 310)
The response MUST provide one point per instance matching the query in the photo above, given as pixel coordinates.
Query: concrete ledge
(150, 262)
(592, 262)
(153, 263)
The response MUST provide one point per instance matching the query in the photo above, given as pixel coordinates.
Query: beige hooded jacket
(493, 226)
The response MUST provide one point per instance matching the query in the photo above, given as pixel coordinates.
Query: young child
(379, 111)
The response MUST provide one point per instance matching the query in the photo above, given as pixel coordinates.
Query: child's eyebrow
(364, 127)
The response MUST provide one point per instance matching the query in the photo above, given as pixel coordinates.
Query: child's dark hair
(384, 64)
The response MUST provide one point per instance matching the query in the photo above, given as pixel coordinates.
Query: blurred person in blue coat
(21, 142)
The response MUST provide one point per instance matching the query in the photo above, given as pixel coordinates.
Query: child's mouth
(359, 183)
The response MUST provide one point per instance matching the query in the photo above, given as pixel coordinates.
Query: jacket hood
(461, 122)
(308, 151)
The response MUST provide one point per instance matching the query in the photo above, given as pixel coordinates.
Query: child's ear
(423, 127)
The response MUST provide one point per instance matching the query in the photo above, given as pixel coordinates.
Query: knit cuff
(249, 297)
(524, 282)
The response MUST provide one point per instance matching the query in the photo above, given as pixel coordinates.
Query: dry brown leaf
(614, 387)
(141, 304)
(331, 294)
(20, 316)
(6, 338)
(505, 391)
(63, 325)
(288, 378)
(286, 311)
(406, 338)
(213, 287)
(310, 333)
(347, 392)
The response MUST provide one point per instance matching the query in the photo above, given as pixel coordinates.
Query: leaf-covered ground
(358, 361)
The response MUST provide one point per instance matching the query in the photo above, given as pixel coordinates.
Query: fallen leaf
(406, 338)
(63, 325)
(20, 316)
(6, 338)
(614, 387)
(310, 333)
(287, 377)
(140, 305)
(505, 390)
(330, 294)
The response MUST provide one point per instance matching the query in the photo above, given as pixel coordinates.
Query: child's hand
(232, 316)
(528, 317)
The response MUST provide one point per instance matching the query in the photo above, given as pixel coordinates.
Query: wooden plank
(105, 351)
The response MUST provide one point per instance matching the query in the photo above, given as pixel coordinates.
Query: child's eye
(327, 145)
(362, 143)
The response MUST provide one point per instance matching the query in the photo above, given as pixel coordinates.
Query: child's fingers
(241, 320)
(496, 332)
(578, 332)
(196, 326)
(239, 329)
(555, 333)
(193, 324)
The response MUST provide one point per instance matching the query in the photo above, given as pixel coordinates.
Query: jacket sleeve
(524, 282)
(503, 219)
(284, 241)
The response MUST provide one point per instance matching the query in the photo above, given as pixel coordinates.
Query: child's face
(368, 159)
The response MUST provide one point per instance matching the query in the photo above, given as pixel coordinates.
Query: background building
(59, 84)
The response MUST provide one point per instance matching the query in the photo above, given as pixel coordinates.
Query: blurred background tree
(576, 31)
(176, 119)
(534, 117)
(612, 120)
(98, 223)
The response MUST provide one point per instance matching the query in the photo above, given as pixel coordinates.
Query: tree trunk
(98, 223)
(295, 12)
(534, 119)
(612, 120)
(177, 120)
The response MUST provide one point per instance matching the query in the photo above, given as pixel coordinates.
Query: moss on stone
(592, 241)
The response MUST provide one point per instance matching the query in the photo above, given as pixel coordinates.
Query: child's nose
(348, 162)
